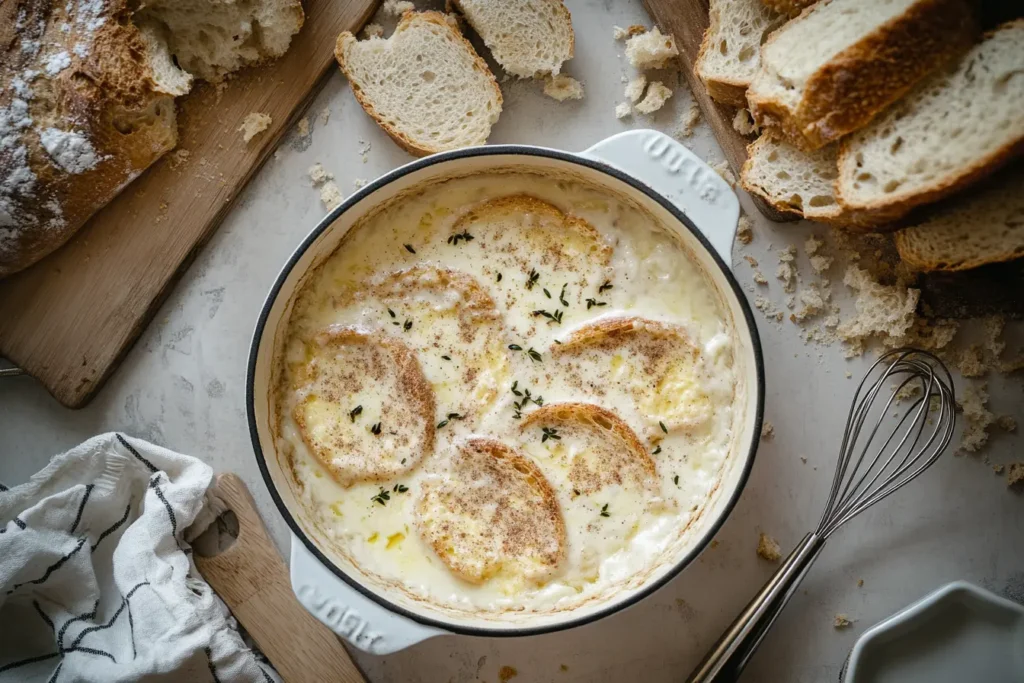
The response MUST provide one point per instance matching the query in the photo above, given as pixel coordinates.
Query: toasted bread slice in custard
(653, 365)
(452, 324)
(605, 451)
(493, 513)
(367, 411)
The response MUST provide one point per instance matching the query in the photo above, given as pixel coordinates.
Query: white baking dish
(644, 167)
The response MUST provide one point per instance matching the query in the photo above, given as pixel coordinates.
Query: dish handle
(679, 175)
(353, 616)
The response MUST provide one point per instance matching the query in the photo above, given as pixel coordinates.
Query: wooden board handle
(252, 579)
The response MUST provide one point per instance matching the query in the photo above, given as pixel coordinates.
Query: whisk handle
(727, 658)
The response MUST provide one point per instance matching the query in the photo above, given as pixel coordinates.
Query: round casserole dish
(644, 167)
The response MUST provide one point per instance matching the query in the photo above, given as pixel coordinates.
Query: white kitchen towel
(97, 581)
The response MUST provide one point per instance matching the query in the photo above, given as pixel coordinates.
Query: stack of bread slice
(872, 108)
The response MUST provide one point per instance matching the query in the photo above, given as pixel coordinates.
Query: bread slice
(985, 227)
(424, 85)
(730, 51)
(790, 180)
(529, 38)
(955, 128)
(841, 62)
(789, 7)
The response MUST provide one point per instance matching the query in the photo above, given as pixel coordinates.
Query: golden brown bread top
(493, 513)
(612, 453)
(354, 435)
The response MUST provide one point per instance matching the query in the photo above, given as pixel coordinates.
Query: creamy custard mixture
(507, 392)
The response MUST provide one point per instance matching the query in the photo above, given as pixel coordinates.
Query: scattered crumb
(787, 268)
(813, 245)
(562, 88)
(849, 374)
(622, 110)
(998, 469)
(178, 157)
(768, 548)
(330, 195)
(821, 263)
(767, 430)
(745, 230)
(971, 361)
(657, 95)
(373, 31)
(1015, 475)
(743, 123)
(319, 175)
(977, 418)
(506, 673)
(359, 182)
(760, 279)
(722, 169)
(651, 50)
(325, 115)
(803, 459)
(751, 260)
(396, 8)
(254, 124)
(687, 122)
(563, 667)
(624, 33)
(842, 621)
(1007, 423)
(303, 127)
(881, 310)
(364, 150)
(814, 302)
(860, 583)
(635, 88)
(907, 392)
(714, 544)
(993, 326)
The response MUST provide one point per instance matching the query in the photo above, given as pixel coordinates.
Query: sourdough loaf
(841, 62)
(730, 50)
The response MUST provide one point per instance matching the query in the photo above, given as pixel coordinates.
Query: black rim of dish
(503, 150)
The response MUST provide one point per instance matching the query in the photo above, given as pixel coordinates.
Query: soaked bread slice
(493, 514)
(366, 411)
(604, 451)
(653, 366)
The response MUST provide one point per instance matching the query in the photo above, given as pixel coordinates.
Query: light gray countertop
(182, 386)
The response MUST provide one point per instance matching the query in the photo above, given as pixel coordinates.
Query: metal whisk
(880, 454)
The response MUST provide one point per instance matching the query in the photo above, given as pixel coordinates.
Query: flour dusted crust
(336, 428)
(82, 82)
(494, 513)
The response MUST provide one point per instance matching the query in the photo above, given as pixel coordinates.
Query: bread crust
(727, 91)
(346, 40)
(846, 93)
(110, 95)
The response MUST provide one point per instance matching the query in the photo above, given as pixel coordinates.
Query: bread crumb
(687, 122)
(977, 418)
(971, 361)
(1015, 475)
(745, 230)
(303, 127)
(396, 8)
(359, 182)
(842, 621)
(714, 544)
(993, 326)
(254, 124)
(651, 50)
(507, 673)
(1007, 423)
(998, 469)
(657, 95)
(767, 430)
(743, 123)
(751, 260)
(821, 263)
(563, 667)
(860, 583)
(325, 115)
(907, 392)
(178, 157)
(562, 88)
(760, 279)
(849, 374)
(768, 548)
(624, 33)
(881, 310)
(722, 169)
(814, 302)
(330, 195)
(373, 31)
(319, 175)
(635, 88)
(786, 271)
(622, 110)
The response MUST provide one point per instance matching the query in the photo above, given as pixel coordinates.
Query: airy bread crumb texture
(743, 123)
(768, 548)
(254, 124)
(841, 621)
(528, 38)
(973, 403)
(331, 195)
(563, 87)
(623, 110)
(396, 8)
(687, 122)
(620, 33)
(635, 88)
(651, 50)
(657, 95)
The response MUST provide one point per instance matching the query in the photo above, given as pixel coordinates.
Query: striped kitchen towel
(97, 581)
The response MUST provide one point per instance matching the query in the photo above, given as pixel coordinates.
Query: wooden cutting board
(252, 579)
(687, 20)
(69, 319)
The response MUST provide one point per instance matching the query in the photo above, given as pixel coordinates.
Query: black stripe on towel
(114, 527)
(56, 672)
(21, 524)
(52, 568)
(110, 622)
(47, 619)
(81, 506)
(30, 660)
(80, 617)
(131, 449)
(170, 511)
(213, 669)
